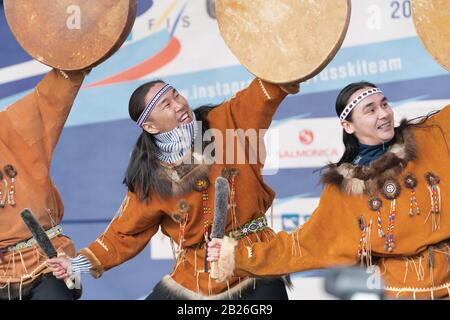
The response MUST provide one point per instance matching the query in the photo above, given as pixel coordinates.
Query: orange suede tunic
(137, 222)
(331, 237)
(29, 131)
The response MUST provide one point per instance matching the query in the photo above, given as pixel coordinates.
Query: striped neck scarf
(173, 145)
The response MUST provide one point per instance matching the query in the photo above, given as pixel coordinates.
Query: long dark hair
(350, 141)
(140, 174)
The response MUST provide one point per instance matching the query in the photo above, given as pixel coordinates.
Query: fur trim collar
(357, 180)
(179, 180)
(173, 290)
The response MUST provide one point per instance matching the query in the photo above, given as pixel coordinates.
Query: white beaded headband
(152, 103)
(356, 101)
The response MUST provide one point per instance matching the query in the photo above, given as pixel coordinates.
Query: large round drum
(432, 21)
(70, 34)
(283, 41)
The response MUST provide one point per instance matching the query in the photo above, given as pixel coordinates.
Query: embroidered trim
(123, 207)
(63, 74)
(249, 252)
(264, 89)
(357, 100)
(52, 233)
(102, 244)
(151, 104)
(253, 226)
(411, 289)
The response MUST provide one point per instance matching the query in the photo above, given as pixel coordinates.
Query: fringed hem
(173, 289)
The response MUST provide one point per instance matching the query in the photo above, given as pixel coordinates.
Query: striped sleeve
(80, 264)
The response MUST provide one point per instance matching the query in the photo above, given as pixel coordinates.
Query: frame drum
(70, 34)
(283, 41)
(432, 21)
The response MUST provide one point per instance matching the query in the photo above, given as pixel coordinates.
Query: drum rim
(127, 27)
(423, 37)
(314, 71)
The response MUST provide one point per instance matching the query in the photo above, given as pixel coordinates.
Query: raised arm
(36, 121)
(254, 106)
(245, 116)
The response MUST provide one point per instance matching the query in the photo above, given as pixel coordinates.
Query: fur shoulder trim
(357, 180)
(174, 182)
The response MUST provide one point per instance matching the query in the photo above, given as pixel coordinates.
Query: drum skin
(283, 41)
(432, 22)
(70, 34)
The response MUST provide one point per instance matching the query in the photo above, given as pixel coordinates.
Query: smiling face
(171, 111)
(372, 120)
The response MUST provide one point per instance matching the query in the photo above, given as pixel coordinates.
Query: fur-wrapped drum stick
(42, 239)
(222, 188)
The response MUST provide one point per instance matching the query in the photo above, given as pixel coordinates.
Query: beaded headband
(152, 103)
(357, 100)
